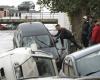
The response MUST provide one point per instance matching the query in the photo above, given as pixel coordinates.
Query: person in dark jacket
(63, 33)
(85, 32)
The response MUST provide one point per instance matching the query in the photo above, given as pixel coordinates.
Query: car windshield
(89, 64)
(35, 67)
(41, 41)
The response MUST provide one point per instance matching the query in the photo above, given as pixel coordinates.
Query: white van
(23, 63)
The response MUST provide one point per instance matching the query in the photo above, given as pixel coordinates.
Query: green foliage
(72, 6)
(94, 6)
(26, 5)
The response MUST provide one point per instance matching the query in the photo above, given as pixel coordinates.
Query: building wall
(64, 21)
(1, 14)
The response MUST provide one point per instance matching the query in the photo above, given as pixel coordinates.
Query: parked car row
(8, 27)
(11, 26)
(2, 27)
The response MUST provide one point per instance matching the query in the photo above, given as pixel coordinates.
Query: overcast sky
(15, 2)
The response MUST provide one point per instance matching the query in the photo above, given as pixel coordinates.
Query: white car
(26, 64)
(29, 32)
(82, 63)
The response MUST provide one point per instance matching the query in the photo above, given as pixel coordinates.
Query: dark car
(35, 32)
(2, 27)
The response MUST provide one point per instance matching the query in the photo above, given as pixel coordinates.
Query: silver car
(35, 32)
(82, 63)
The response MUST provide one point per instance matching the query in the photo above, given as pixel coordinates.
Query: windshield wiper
(92, 72)
(42, 42)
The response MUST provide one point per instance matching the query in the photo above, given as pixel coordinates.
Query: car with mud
(26, 63)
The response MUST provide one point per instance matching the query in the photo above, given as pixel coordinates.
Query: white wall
(63, 20)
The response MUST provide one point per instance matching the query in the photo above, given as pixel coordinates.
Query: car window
(35, 67)
(89, 63)
(29, 68)
(45, 67)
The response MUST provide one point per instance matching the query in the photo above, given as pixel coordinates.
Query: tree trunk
(76, 21)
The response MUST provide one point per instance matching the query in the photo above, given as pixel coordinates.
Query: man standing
(65, 34)
(85, 32)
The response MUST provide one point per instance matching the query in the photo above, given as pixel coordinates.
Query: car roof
(32, 28)
(85, 51)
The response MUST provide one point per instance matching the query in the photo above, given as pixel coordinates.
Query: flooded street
(6, 38)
